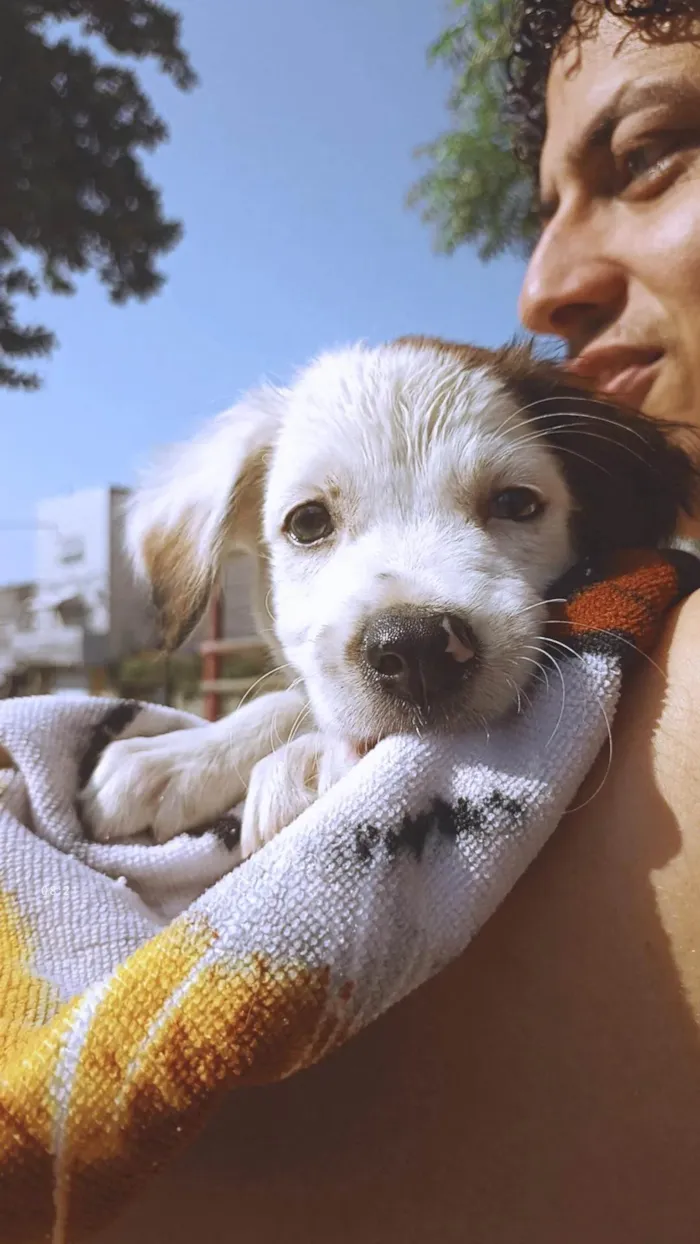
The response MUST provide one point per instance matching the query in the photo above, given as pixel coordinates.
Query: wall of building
(73, 550)
(16, 616)
(85, 610)
(237, 585)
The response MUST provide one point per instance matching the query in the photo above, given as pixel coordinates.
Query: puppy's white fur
(405, 448)
(404, 444)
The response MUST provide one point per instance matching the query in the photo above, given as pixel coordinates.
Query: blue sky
(289, 167)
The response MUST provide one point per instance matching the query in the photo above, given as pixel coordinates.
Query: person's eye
(643, 159)
(516, 505)
(308, 523)
(645, 168)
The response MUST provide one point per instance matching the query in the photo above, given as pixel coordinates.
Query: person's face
(616, 273)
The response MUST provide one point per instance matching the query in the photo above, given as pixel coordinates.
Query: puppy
(409, 508)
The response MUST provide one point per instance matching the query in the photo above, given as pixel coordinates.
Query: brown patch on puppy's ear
(470, 356)
(180, 585)
(504, 362)
(202, 502)
(182, 575)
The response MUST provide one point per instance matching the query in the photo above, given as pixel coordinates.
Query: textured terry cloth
(120, 1026)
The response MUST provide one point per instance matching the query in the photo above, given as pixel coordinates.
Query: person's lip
(618, 371)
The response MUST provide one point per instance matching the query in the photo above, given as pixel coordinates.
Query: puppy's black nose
(418, 656)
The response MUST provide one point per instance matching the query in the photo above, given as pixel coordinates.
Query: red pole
(211, 661)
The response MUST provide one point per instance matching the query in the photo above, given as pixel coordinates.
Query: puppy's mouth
(386, 717)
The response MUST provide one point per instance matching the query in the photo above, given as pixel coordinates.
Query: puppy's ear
(203, 499)
(631, 476)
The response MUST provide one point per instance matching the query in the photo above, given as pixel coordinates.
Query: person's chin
(667, 398)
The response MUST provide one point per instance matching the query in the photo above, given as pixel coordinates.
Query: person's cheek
(673, 260)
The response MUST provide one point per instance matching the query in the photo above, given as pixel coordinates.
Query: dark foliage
(74, 195)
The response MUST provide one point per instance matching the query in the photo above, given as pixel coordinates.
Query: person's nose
(571, 290)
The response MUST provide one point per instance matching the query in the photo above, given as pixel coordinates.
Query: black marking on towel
(366, 839)
(465, 819)
(615, 644)
(227, 829)
(476, 821)
(108, 731)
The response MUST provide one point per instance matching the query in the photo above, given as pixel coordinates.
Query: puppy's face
(414, 521)
(412, 506)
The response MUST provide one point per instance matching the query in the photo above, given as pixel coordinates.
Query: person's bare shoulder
(657, 728)
(644, 820)
(676, 734)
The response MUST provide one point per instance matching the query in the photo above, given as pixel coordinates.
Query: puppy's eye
(516, 505)
(308, 523)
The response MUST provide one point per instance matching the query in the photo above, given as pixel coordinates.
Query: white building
(86, 610)
(16, 616)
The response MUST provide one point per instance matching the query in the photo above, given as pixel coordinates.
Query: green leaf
(475, 191)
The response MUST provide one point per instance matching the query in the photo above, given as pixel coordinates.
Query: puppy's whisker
(558, 413)
(263, 556)
(573, 453)
(563, 703)
(497, 435)
(543, 668)
(538, 676)
(608, 767)
(309, 779)
(279, 669)
(579, 414)
(286, 750)
(569, 431)
(298, 723)
(621, 639)
(540, 671)
(555, 600)
(533, 437)
(268, 611)
(574, 653)
(558, 402)
(295, 730)
(526, 698)
(274, 739)
(556, 665)
(230, 742)
(514, 687)
(419, 721)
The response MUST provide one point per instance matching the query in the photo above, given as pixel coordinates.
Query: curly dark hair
(538, 30)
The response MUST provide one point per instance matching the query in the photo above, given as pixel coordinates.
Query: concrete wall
(237, 584)
(73, 551)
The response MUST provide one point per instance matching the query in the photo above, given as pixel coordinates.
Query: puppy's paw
(166, 784)
(286, 783)
(281, 787)
(336, 759)
(187, 778)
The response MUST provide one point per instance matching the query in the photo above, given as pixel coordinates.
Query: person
(546, 1088)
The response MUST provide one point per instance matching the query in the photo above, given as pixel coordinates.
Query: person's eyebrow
(631, 97)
